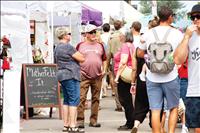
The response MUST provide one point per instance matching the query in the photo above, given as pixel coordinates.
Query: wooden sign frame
(24, 66)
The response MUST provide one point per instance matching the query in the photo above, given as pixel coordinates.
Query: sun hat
(195, 9)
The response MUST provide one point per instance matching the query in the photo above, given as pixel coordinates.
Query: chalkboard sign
(41, 86)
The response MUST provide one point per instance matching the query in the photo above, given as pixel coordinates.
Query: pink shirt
(125, 49)
(94, 56)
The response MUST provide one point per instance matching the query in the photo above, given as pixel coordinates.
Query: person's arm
(140, 53)
(78, 56)
(181, 52)
(134, 67)
(122, 65)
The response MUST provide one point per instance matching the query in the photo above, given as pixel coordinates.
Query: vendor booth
(119, 8)
(14, 25)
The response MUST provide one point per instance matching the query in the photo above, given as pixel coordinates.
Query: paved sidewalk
(110, 120)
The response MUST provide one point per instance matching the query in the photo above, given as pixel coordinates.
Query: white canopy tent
(43, 12)
(14, 24)
(72, 11)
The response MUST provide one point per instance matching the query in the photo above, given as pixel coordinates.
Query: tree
(145, 7)
(174, 5)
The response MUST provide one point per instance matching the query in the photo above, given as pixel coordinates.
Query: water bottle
(170, 58)
(147, 60)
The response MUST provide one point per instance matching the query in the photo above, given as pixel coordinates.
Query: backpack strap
(155, 34)
(166, 35)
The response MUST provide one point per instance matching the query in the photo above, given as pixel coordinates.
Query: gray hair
(129, 37)
(61, 31)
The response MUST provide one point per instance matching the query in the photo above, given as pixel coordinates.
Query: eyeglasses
(173, 15)
(92, 32)
(197, 16)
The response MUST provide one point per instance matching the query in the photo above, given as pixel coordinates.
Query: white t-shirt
(194, 66)
(174, 37)
(136, 40)
(104, 37)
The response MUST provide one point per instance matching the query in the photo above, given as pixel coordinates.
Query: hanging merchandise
(6, 63)
(6, 42)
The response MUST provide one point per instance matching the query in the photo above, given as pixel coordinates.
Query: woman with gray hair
(68, 74)
(122, 59)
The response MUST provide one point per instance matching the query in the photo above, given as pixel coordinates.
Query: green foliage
(174, 5)
(145, 7)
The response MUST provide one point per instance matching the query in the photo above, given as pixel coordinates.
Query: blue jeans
(71, 92)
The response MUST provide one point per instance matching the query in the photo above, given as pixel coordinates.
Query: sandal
(75, 130)
(65, 129)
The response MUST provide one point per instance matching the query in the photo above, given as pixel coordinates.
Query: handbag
(126, 74)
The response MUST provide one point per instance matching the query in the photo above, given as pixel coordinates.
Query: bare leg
(163, 123)
(72, 115)
(111, 78)
(156, 125)
(172, 120)
(66, 115)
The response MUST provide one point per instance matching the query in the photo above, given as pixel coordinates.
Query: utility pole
(154, 8)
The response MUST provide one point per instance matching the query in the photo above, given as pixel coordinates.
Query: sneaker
(123, 128)
(95, 125)
(80, 125)
(184, 130)
(142, 76)
(134, 130)
(119, 109)
(75, 130)
(65, 129)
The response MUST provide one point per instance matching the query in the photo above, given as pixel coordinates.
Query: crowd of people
(165, 73)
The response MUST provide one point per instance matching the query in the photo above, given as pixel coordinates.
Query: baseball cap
(195, 9)
(90, 27)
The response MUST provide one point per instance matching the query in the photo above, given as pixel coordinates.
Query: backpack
(114, 43)
(160, 55)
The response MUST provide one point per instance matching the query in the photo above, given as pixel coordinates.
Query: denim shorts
(71, 92)
(183, 85)
(192, 112)
(158, 91)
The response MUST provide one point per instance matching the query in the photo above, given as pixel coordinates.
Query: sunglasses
(92, 32)
(173, 15)
(197, 16)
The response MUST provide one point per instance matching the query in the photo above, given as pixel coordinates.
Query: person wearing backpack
(189, 49)
(114, 44)
(162, 76)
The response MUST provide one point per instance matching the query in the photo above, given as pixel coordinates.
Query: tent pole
(52, 33)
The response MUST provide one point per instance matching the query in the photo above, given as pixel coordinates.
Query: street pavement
(110, 120)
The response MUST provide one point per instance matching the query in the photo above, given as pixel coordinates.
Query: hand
(190, 29)
(133, 89)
